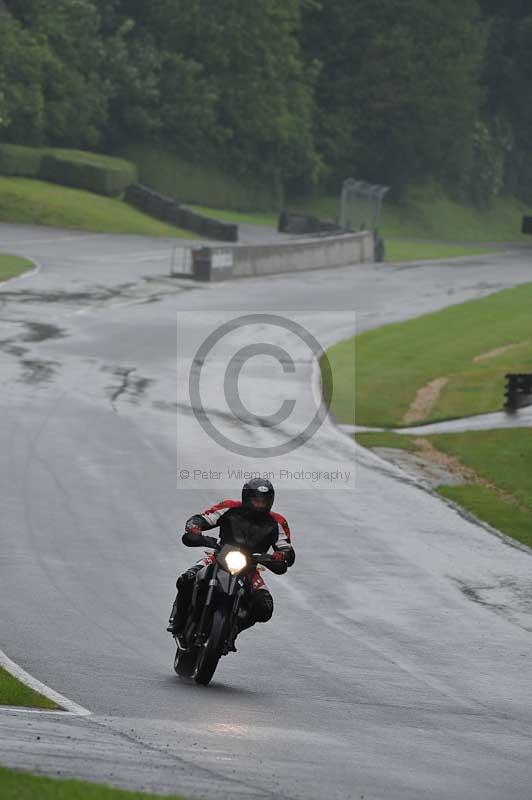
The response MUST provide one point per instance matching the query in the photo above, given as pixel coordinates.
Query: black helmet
(258, 495)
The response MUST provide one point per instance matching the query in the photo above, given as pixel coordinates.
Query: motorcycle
(218, 602)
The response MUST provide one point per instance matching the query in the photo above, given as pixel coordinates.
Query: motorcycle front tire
(185, 663)
(211, 652)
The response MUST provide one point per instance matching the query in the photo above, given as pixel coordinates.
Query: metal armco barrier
(300, 224)
(518, 391)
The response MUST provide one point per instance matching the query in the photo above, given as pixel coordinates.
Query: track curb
(65, 705)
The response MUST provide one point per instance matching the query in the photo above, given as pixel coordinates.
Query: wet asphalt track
(398, 664)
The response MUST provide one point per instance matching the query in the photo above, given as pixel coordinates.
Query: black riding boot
(179, 614)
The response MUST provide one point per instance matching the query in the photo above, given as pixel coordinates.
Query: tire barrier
(301, 224)
(526, 225)
(169, 210)
(518, 391)
(224, 263)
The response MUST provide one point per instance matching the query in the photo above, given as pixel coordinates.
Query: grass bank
(30, 202)
(469, 347)
(427, 213)
(21, 786)
(399, 250)
(14, 693)
(201, 183)
(494, 465)
(11, 266)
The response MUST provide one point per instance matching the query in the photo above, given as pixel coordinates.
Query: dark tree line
(394, 91)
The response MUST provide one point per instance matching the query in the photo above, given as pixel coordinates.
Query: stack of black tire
(169, 210)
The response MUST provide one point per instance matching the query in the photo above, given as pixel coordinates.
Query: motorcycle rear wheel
(211, 652)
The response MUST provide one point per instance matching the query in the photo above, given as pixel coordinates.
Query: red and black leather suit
(238, 525)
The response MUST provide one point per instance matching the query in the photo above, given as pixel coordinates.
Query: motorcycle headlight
(235, 561)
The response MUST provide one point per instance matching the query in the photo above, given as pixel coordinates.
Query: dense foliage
(302, 91)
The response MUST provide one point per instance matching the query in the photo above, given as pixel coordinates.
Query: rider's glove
(194, 529)
(193, 536)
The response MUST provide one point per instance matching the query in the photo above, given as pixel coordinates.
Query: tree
(507, 78)
(22, 61)
(74, 85)
(253, 71)
(398, 94)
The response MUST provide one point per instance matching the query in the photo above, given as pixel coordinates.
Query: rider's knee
(186, 579)
(262, 606)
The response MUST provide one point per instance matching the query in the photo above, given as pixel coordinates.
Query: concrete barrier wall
(222, 263)
(318, 253)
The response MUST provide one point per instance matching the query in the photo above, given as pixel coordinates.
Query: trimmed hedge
(22, 162)
(110, 181)
(97, 173)
(167, 209)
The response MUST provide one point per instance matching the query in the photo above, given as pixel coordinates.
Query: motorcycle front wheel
(184, 663)
(211, 651)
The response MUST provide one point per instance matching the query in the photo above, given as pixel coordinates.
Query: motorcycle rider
(250, 523)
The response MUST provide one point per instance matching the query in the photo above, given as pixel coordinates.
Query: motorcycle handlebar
(275, 566)
(212, 542)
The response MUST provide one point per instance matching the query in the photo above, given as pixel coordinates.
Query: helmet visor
(259, 503)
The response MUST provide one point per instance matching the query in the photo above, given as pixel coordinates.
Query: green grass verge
(502, 460)
(11, 266)
(393, 362)
(502, 457)
(14, 693)
(485, 504)
(411, 250)
(21, 786)
(427, 213)
(31, 202)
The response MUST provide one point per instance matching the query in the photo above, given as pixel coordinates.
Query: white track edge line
(16, 711)
(42, 688)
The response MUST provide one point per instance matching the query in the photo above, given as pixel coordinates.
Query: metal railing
(360, 205)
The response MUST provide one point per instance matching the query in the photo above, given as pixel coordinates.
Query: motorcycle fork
(234, 615)
(207, 607)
